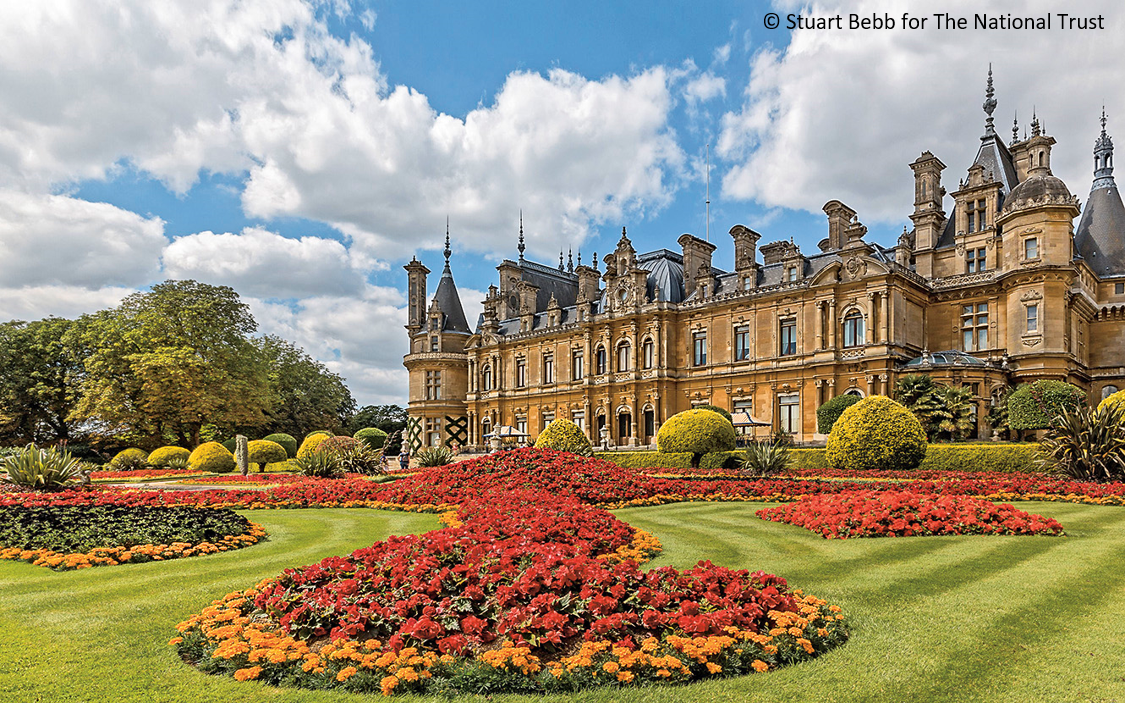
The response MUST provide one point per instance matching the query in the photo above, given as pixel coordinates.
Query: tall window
(977, 212)
(486, 378)
(974, 327)
(623, 352)
(433, 344)
(433, 431)
(433, 385)
(549, 368)
(1031, 248)
(599, 360)
(521, 423)
(974, 260)
(789, 415)
(521, 373)
(747, 283)
(577, 366)
(699, 349)
(742, 343)
(853, 329)
(788, 338)
(648, 354)
(1119, 288)
(579, 418)
(1033, 318)
(791, 274)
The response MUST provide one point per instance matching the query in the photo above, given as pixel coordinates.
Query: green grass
(1026, 619)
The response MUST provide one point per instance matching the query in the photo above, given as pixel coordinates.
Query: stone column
(884, 323)
(242, 455)
(871, 319)
(819, 325)
(832, 323)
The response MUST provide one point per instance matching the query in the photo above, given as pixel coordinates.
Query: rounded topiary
(129, 459)
(263, 451)
(160, 457)
(326, 433)
(877, 434)
(1034, 406)
(211, 457)
(829, 413)
(715, 409)
(311, 443)
(696, 431)
(565, 436)
(373, 437)
(1117, 398)
(230, 444)
(285, 440)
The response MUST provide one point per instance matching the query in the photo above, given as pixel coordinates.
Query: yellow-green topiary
(263, 451)
(160, 457)
(130, 459)
(311, 443)
(877, 434)
(1117, 398)
(211, 457)
(697, 431)
(564, 436)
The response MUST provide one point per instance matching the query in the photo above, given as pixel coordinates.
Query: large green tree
(306, 395)
(39, 377)
(167, 361)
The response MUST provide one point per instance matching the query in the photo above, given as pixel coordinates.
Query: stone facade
(1002, 283)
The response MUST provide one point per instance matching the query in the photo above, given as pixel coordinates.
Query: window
(1031, 248)
(521, 373)
(486, 378)
(650, 422)
(433, 431)
(742, 343)
(854, 329)
(549, 368)
(433, 344)
(433, 385)
(791, 274)
(974, 327)
(521, 423)
(747, 283)
(788, 338)
(579, 418)
(547, 419)
(699, 349)
(977, 211)
(1119, 288)
(1108, 391)
(974, 260)
(576, 366)
(623, 352)
(789, 415)
(599, 360)
(648, 354)
(1032, 318)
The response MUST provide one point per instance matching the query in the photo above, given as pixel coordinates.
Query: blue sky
(302, 152)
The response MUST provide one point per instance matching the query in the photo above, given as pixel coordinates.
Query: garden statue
(242, 454)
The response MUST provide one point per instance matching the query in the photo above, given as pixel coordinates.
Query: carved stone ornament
(1032, 341)
(1031, 295)
(856, 267)
(960, 249)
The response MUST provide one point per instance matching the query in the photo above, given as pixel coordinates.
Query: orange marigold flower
(346, 673)
(387, 685)
(713, 667)
(624, 676)
(760, 665)
(247, 674)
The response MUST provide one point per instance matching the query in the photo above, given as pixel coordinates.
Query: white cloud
(705, 87)
(264, 264)
(37, 302)
(367, 19)
(55, 239)
(840, 114)
(721, 55)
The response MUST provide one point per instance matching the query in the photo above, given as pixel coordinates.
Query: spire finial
(1103, 119)
(521, 246)
(447, 250)
(561, 261)
(623, 235)
(1015, 127)
(570, 261)
(1103, 159)
(1035, 129)
(579, 258)
(989, 104)
(595, 261)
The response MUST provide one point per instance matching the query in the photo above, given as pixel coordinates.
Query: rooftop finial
(989, 104)
(570, 261)
(1035, 130)
(561, 261)
(624, 238)
(580, 258)
(447, 251)
(521, 247)
(1103, 158)
(1015, 127)
(1103, 119)
(595, 261)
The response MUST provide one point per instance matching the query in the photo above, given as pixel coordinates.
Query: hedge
(211, 457)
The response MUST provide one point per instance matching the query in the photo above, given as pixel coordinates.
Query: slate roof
(450, 304)
(1100, 238)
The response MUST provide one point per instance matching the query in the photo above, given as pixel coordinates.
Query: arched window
(599, 360)
(648, 353)
(853, 329)
(1108, 391)
(486, 377)
(623, 352)
(1040, 158)
(854, 391)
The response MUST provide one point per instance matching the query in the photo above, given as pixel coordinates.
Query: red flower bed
(142, 473)
(901, 514)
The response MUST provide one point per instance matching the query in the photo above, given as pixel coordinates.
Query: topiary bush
(230, 444)
(696, 431)
(130, 460)
(877, 434)
(311, 443)
(715, 409)
(263, 451)
(211, 457)
(160, 458)
(1117, 398)
(829, 413)
(288, 441)
(564, 436)
(373, 437)
(1035, 406)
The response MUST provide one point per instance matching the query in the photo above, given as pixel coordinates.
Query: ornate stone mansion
(1002, 289)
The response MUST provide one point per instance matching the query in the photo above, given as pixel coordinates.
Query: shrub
(1117, 398)
(764, 459)
(285, 440)
(337, 443)
(696, 431)
(827, 414)
(160, 457)
(360, 459)
(1035, 406)
(988, 456)
(1088, 445)
(309, 446)
(211, 457)
(178, 463)
(130, 460)
(564, 436)
(230, 444)
(373, 437)
(714, 409)
(434, 456)
(264, 451)
(672, 460)
(877, 434)
(42, 469)
(318, 465)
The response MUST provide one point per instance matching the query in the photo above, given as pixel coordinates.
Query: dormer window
(791, 274)
(434, 344)
(977, 211)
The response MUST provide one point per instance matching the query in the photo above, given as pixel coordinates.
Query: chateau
(999, 290)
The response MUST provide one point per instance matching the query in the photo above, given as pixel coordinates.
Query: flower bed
(142, 474)
(77, 537)
(901, 514)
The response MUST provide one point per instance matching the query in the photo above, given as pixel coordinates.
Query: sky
(302, 151)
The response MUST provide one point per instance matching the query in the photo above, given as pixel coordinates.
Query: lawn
(932, 618)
